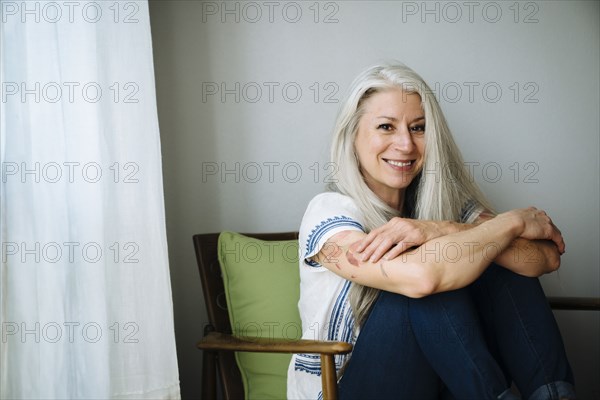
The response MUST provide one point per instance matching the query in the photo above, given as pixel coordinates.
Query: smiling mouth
(400, 164)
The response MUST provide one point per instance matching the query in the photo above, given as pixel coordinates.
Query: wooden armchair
(219, 344)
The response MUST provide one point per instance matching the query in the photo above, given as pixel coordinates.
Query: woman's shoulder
(327, 213)
(333, 200)
(328, 207)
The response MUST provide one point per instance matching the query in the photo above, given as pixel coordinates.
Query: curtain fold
(86, 308)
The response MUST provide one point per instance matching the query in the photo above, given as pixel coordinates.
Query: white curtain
(86, 308)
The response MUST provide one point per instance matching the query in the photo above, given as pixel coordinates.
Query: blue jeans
(469, 343)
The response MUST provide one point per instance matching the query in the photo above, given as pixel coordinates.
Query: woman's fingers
(378, 253)
(368, 240)
(391, 239)
(538, 225)
(558, 239)
(554, 233)
(365, 242)
(366, 248)
(395, 251)
(378, 247)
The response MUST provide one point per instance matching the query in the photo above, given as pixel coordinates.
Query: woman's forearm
(526, 257)
(530, 257)
(444, 263)
(457, 259)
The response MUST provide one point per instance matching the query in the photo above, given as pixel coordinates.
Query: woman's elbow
(424, 283)
(550, 264)
(551, 261)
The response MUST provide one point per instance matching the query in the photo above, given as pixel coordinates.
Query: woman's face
(390, 143)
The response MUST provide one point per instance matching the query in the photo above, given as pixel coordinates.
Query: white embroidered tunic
(324, 307)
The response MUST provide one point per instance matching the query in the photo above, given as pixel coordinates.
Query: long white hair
(440, 191)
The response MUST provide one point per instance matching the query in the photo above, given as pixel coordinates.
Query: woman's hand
(536, 224)
(398, 235)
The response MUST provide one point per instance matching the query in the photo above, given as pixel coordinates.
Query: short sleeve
(326, 214)
(470, 212)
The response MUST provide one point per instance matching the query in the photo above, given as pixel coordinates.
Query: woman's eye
(418, 128)
(385, 127)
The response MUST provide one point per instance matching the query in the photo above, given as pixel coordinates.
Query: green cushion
(262, 286)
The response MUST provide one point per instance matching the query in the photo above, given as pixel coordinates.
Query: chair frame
(219, 344)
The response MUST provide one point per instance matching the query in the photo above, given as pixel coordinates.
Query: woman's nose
(403, 140)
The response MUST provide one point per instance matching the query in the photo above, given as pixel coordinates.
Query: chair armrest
(574, 303)
(214, 341)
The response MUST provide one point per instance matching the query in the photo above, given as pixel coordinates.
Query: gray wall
(520, 89)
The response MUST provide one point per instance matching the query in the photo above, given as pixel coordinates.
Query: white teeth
(399, 163)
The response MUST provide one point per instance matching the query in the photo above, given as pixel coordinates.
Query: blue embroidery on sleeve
(325, 226)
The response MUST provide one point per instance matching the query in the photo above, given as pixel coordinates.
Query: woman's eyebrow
(396, 119)
(385, 117)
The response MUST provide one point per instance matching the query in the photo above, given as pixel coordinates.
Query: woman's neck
(394, 199)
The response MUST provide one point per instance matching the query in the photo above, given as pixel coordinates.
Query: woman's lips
(400, 165)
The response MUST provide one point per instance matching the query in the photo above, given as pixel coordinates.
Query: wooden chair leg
(328, 377)
(209, 375)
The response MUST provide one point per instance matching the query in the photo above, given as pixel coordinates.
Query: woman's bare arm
(529, 257)
(444, 263)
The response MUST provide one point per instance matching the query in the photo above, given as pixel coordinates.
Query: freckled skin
(351, 259)
(352, 276)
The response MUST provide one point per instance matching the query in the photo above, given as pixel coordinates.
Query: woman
(404, 258)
